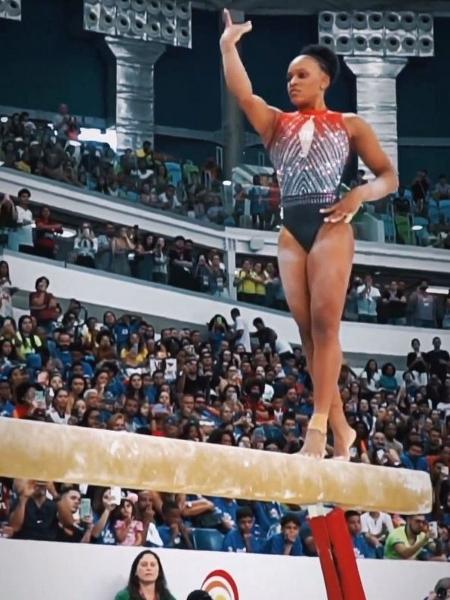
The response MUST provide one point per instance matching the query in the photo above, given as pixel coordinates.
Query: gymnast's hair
(327, 59)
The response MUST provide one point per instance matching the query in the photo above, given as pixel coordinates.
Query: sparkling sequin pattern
(316, 177)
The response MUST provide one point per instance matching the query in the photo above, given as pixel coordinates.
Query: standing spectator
(219, 279)
(121, 246)
(244, 281)
(8, 218)
(160, 262)
(422, 307)
(241, 330)
(180, 264)
(23, 236)
(438, 360)
(104, 248)
(147, 579)
(420, 187)
(43, 305)
(46, 228)
(243, 539)
(393, 301)
(6, 308)
(257, 196)
(361, 547)
(417, 363)
(367, 300)
(85, 246)
(408, 540)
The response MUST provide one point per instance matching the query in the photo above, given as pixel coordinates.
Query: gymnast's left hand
(346, 208)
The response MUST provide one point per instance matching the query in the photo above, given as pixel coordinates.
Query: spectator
(174, 533)
(45, 240)
(442, 189)
(438, 360)
(287, 542)
(422, 307)
(376, 526)
(241, 333)
(367, 301)
(85, 247)
(103, 506)
(33, 516)
(121, 246)
(361, 546)
(199, 595)
(407, 541)
(243, 539)
(104, 254)
(416, 363)
(147, 579)
(413, 458)
(23, 236)
(6, 308)
(128, 529)
(245, 283)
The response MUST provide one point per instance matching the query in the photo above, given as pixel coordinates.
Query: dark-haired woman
(43, 305)
(309, 148)
(147, 580)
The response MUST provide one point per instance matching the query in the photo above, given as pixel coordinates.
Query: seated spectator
(413, 458)
(147, 579)
(287, 542)
(145, 512)
(33, 516)
(103, 506)
(442, 189)
(127, 528)
(407, 541)
(135, 352)
(174, 532)
(376, 526)
(361, 546)
(388, 380)
(71, 526)
(243, 539)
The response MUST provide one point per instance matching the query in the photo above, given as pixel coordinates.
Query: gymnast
(309, 149)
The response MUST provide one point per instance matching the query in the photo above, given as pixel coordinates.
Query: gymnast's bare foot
(343, 440)
(315, 442)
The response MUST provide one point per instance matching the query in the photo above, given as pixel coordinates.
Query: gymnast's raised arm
(258, 112)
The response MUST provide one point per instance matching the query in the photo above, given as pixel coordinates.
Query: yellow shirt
(246, 286)
(134, 361)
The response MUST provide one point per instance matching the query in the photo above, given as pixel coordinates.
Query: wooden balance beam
(43, 451)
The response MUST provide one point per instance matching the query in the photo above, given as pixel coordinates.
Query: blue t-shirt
(362, 547)
(267, 515)
(234, 542)
(418, 463)
(106, 536)
(275, 545)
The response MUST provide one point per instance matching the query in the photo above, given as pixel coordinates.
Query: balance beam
(44, 451)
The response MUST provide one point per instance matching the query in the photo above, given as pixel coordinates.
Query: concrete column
(135, 97)
(230, 265)
(377, 96)
(232, 120)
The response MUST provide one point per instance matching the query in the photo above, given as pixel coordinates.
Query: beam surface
(61, 453)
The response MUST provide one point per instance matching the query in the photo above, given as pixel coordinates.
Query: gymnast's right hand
(233, 31)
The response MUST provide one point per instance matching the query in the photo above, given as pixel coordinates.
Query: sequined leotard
(309, 168)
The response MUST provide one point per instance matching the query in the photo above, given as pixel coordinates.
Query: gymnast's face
(307, 82)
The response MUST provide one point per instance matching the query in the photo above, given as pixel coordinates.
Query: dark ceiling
(315, 6)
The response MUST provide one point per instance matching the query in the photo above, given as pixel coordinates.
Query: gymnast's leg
(292, 263)
(328, 269)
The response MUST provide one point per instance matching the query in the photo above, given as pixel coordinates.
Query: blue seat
(207, 539)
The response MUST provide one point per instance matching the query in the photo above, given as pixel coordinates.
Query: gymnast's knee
(324, 328)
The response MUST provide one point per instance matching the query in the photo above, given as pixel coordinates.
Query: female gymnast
(309, 149)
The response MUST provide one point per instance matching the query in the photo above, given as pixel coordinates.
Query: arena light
(437, 289)
(166, 21)
(377, 33)
(11, 9)
(227, 183)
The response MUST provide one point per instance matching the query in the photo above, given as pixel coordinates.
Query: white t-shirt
(245, 337)
(282, 346)
(367, 300)
(375, 526)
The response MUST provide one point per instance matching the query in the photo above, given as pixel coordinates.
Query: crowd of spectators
(139, 175)
(179, 262)
(228, 385)
(154, 179)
